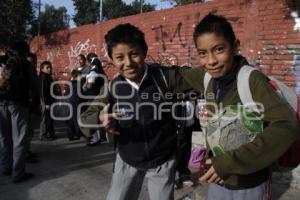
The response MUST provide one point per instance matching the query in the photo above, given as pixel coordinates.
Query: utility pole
(39, 19)
(100, 10)
(142, 2)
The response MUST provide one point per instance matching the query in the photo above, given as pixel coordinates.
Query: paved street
(71, 171)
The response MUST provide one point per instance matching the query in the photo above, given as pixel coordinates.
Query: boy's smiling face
(215, 54)
(130, 61)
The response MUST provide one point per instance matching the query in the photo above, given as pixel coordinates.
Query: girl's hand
(211, 175)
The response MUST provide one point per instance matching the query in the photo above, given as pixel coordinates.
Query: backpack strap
(160, 80)
(243, 87)
(207, 78)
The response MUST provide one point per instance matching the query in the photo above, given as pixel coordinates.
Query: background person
(46, 126)
(15, 92)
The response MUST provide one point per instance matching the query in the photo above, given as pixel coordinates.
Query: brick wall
(269, 32)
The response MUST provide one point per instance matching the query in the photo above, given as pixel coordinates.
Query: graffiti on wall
(53, 54)
(163, 58)
(167, 37)
(296, 17)
(81, 48)
(163, 35)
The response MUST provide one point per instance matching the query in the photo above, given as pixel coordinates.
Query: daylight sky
(69, 5)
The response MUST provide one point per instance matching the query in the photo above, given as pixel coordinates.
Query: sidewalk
(71, 171)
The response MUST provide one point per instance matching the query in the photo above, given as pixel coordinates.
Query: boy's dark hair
(10, 64)
(128, 34)
(215, 24)
(44, 64)
(75, 73)
(21, 47)
(32, 55)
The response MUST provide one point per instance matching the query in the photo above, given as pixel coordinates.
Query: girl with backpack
(243, 143)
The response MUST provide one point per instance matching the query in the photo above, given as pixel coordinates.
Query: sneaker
(188, 181)
(91, 144)
(26, 176)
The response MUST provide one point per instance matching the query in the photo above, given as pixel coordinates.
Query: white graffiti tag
(296, 17)
(80, 47)
(51, 55)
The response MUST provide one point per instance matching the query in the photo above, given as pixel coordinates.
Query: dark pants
(13, 138)
(184, 140)
(46, 125)
(73, 127)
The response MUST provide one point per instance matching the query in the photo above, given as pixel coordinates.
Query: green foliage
(114, 8)
(15, 20)
(117, 8)
(51, 20)
(87, 11)
(135, 7)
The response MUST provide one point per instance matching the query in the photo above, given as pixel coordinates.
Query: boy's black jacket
(45, 89)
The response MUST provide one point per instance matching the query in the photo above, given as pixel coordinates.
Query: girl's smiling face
(215, 54)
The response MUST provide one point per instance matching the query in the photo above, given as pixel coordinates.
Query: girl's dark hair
(45, 63)
(215, 24)
(82, 56)
(90, 56)
(128, 34)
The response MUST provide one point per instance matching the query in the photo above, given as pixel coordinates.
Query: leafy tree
(117, 8)
(135, 7)
(86, 12)
(51, 20)
(15, 18)
(184, 2)
(114, 8)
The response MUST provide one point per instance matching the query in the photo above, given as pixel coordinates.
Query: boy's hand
(211, 175)
(47, 107)
(108, 120)
(84, 86)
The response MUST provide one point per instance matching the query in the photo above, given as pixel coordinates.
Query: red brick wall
(269, 35)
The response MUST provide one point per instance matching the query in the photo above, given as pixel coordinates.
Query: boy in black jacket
(146, 142)
(46, 125)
